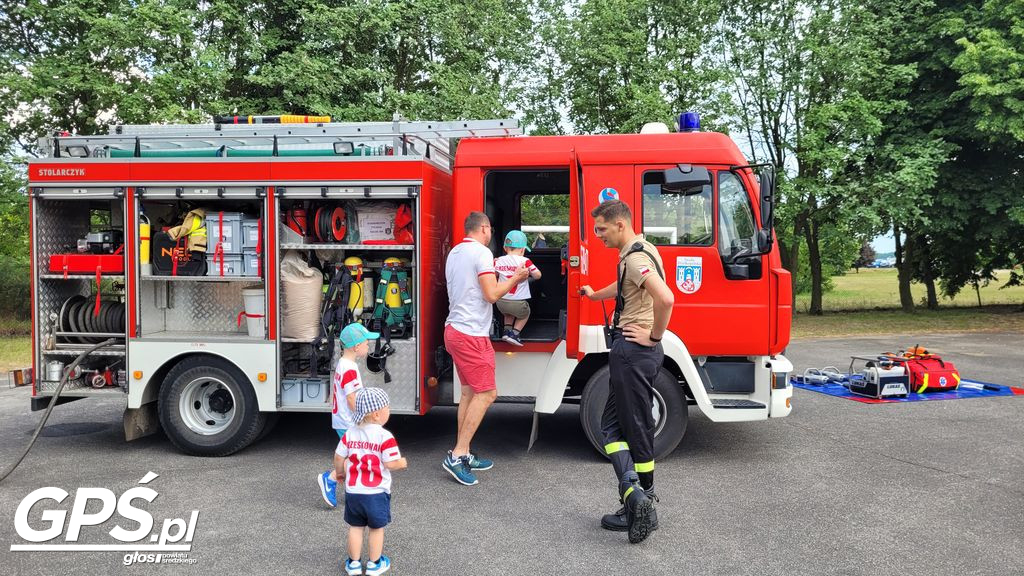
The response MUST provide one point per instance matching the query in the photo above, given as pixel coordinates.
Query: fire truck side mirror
(764, 240)
(767, 177)
(686, 179)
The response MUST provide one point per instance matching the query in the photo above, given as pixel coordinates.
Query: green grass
(956, 319)
(12, 327)
(868, 302)
(879, 288)
(15, 352)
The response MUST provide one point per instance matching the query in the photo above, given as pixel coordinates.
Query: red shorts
(474, 358)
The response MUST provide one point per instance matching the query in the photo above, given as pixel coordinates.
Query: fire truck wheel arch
(670, 410)
(208, 407)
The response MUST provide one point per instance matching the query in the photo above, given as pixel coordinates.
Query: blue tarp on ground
(968, 389)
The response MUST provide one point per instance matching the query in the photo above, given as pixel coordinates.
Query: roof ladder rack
(402, 136)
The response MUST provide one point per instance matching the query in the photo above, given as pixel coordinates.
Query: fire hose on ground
(68, 370)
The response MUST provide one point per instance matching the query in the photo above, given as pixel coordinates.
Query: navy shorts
(373, 510)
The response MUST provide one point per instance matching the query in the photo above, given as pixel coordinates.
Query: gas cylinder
(144, 245)
(355, 297)
(393, 296)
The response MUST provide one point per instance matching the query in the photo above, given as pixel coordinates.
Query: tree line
(902, 117)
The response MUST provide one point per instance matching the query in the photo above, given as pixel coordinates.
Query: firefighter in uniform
(643, 306)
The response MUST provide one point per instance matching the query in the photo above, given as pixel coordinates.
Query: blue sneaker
(479, 463)
(459, 469)
(328, 488)
(353, 567)
(382, 565)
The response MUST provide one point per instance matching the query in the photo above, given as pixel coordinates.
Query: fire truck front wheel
(208, 407)
(669, 410)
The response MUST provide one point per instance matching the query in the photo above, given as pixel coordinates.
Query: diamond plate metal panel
(153, 303)
(404, 378)
(57, 226)
(195, 307)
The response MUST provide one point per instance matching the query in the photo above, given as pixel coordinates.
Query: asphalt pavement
(838, 487)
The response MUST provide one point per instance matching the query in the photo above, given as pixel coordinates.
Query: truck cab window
(736, 229)
(545, 220)
(676, 219)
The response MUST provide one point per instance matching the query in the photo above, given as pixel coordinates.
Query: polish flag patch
(644, 271)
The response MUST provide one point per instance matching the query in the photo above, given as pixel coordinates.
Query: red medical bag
(929, 373)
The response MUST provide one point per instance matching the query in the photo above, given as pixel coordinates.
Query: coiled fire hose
(53, 401)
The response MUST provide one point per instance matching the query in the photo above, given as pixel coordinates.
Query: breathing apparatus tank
(393, 298)
(144, 245)
(355, 298)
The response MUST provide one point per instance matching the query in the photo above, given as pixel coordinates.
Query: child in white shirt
(367, 454)
(515, 306)
(346, 383)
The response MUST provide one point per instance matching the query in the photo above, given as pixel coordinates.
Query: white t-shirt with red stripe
(468, 312)
(506, 267)
(346, 381)
(365, 449)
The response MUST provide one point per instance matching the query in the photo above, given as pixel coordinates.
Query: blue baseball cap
(516, 239)
(355, 334)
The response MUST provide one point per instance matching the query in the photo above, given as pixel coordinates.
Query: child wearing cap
(346, 383)
(515, 305)
(366, 455)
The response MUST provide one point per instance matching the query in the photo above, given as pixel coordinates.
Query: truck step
(736, 403)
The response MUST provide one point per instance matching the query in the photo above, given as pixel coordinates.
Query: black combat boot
(617, 522)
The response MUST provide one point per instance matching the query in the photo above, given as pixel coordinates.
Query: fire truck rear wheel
(669, 409)
(208, 408)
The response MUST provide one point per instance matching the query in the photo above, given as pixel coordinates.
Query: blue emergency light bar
(689, 122)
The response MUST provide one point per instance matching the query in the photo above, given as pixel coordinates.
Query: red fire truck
(222, 260)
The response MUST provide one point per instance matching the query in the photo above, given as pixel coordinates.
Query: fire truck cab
(185, 356)
(694, 197)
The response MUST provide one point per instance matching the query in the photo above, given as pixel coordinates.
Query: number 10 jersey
(365, 448)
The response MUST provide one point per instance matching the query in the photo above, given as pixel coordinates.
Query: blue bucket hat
(516, 239)
(355, 334)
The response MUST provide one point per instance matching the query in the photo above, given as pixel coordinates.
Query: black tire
(270, 420)
(674, 414)
(225, 397)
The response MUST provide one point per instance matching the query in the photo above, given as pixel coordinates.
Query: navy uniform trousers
(627, 423)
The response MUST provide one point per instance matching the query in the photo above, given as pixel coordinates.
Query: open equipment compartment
(306, 365)
(202, 302)
(78, 263)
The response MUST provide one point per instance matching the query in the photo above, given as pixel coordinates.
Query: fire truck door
(596, 183)
(578, 261)
(721, 300)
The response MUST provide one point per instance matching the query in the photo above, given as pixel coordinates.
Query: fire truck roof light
(689, 122)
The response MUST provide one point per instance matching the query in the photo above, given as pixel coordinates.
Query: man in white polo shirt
(472, 290)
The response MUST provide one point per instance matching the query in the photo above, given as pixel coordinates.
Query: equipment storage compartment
(78, 268)
(199, 265)
(368, 280)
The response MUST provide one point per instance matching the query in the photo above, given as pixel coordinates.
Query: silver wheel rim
(657, 410)
(207, 406)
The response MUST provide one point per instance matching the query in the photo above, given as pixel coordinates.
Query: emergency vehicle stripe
(644, 466)
(615, 447)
